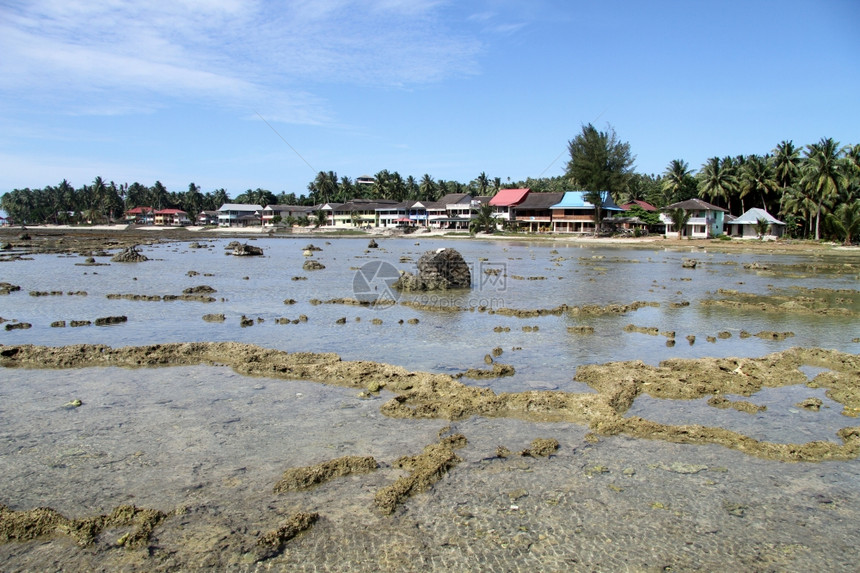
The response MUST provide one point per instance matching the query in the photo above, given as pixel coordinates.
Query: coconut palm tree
(761, 227)
(675, 180)
(411, 189)
(427, 188)
(157, 196)
(320, 217)
(325, 185)
(381, 188)
(757, 178)
(192, 201)
(345, 191)
(823, 176)
(483, 183)
(846, 220)
(679, 218)
(484, 221)
(799, 204)
(397, 187)
(786, 164)
(717, 180)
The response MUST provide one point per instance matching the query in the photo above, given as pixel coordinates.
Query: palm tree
(397, 187)
(846, 220)
(483, 183)
(761, 227)
(219, 197)
(158, 196)
(411, 188)
(823, 176)
(484, 221)
(675, 179)
(717, 180)
(325, 185)
(192, 201)
(320, 217)
(797, 203)
(679, 218)
(786, 164)
(346, 190)
(427, 188)
(98, 195)
(382, 186)
(757, 177)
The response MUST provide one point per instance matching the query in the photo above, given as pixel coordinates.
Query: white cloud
(112, 56)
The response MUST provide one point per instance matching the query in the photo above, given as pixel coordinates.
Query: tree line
(815, 189)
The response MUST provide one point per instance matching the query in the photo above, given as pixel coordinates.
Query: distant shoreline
(82, 237)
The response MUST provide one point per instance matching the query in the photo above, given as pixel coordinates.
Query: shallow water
(442, 341)
(215, 442)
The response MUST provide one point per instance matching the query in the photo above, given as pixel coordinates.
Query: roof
(454, 198)
(240, 207)
(139, 210)
(509, 197)
(540, 200)
(364, 205)
(644, 204)
(752, 216)
(288, 208)
(576, 200)
(695, 205)
(170, 212)
(402, 206)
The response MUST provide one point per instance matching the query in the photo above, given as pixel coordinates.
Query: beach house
(171, 217)
(573, 214)
(745, 226)
(534, 214)
(239, 215)
(506, 200)
(705, 221)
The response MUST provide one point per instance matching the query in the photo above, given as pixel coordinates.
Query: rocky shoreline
(538, 479)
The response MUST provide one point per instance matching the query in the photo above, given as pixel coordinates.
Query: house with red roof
(171, 217)
(506, 199)
(644, 204)
(140, 216)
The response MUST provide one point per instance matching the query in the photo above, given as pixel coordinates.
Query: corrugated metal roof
(576, 200)
(508, 197)
(752, 216)
(452, 198)
(240, 207)
(644, 204)
(694, 205)
(540, 200)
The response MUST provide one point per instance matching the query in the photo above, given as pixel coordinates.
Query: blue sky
(174, 90)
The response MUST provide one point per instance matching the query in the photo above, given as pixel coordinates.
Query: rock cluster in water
(246, 250)
(129, 255)
(441, 269)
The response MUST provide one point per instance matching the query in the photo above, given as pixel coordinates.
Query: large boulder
(441, 269)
